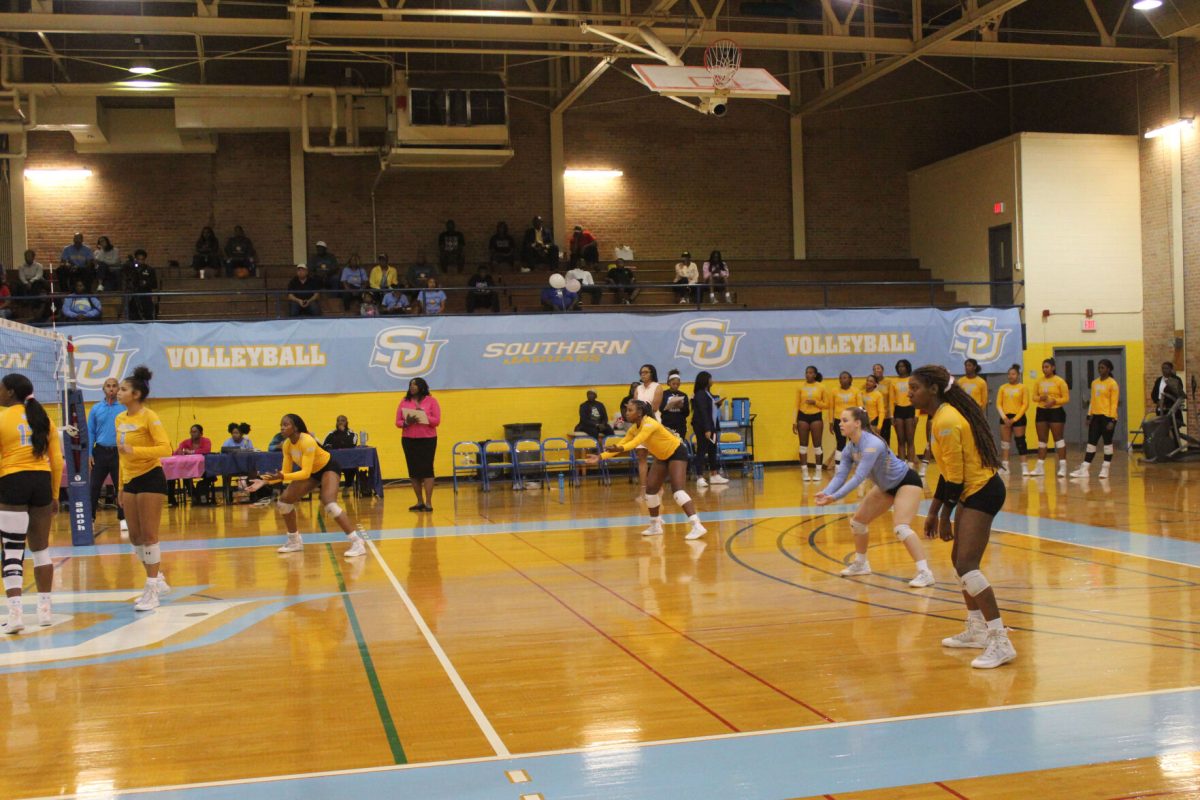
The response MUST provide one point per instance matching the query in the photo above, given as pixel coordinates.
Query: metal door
(1077, 366)
(1000, 263)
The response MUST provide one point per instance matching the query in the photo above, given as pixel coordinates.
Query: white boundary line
(622, 746)
(1086, 546)
(480, 719)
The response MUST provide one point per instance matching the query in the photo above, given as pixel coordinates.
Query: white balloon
(573, 286)
(557, 281)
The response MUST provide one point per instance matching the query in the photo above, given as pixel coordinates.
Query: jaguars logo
(979, 338)
(98, 358)
(707, 343)
(406, 351)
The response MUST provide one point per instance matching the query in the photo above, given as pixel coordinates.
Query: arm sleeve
(93, 422)
(306, 464)
(162, 445)
(839, 475)
(434, 412)
(1024, 401)
(179, 450)
(1063, 395)
(1116, 399)
(985, 396)
(891, 400)
(56, 462)
(865, 465)
(951, 463)
(631, 440)
(205, 446)
(400, 416)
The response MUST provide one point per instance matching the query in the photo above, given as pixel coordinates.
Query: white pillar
(16, 206)
(557, 189)
(299, 206)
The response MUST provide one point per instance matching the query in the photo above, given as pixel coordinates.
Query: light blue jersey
(872, 459)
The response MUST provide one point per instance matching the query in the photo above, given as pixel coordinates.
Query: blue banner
(348, 355)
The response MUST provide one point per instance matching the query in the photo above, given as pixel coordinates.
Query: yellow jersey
(144, 432)
(845, 398)
(976, 387)
(304, 452)
(813, 398)
(16, 448)
(898, 395)
(1056, 389)
(1013, 398)
(1106, 393)
(955, 451)
(876, 405)
(660, 441)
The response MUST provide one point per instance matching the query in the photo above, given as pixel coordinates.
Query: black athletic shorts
(989, 499)
(29, 487)
(680, 454)
(904, 412)
(152, 482)
(1017, 423)
(331, 466)
(809, 418)
(911, 478)
(1051, 415)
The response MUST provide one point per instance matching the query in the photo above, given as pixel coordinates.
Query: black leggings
(837, 435)
(885, 432)
(1100, 427)
(706, 455)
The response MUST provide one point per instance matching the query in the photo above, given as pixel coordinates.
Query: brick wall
(1157, 294)
(1189, 105)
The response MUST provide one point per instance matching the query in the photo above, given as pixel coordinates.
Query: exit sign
(1089, 325)
(997, 208)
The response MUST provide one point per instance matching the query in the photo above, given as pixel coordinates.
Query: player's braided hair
(937, 379)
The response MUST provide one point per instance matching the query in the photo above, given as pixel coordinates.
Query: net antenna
(722, 59)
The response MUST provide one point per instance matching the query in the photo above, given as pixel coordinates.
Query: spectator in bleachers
(452, 247)
(716, 275)
(6, 310)
(558, 299)
(369, 307)
(583, 248)
(108, 265)
(538, 248)
(396, 302)
(303, 300)
(383, 276)
(80, 304)
(31, 285)
(431, 300)
(79, 260)
(482, 295)
(621, 278)
(240, 256)
(353, 280)
(416, 277)
(323, 267)
(239, 437)
(501, 247)
(687, 275)
(593, 417)
(207, 255)
(587, 283)
(139, 277)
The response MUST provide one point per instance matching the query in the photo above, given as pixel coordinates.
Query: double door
(1078, 367)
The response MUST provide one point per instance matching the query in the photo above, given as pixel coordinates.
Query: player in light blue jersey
(896, 485)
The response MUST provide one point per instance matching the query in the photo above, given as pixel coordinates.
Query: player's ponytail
(35, 415)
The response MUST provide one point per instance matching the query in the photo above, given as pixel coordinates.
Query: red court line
(675, 630)
(597, 629)
(951, 791)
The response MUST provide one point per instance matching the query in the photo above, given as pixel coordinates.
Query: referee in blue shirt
(102, 431)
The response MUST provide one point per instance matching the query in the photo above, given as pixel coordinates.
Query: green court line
(385, 715)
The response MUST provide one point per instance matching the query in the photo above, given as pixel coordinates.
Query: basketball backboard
(698, 82)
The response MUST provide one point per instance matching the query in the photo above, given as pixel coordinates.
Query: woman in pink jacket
(418, 416)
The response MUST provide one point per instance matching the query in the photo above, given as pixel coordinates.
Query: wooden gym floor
(534, 644)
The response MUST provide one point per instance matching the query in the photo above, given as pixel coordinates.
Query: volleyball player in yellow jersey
(1012, 401)
(31, 466)
(670, 462)
(875, 403)
(1051, 395)
(314, 468)
(811, 402)
(902, 413)
(971, 491)
(142, 485)
(972, 384)
(845, 396)
(884, 384)
(1102, 419)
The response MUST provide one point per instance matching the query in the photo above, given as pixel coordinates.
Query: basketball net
(722, 59)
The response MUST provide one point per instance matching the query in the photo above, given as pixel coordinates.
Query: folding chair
(558, 457)
(497, 457)
(628, 460)
(528, 459)
(467, 459)
(731, 448)
(587, 445)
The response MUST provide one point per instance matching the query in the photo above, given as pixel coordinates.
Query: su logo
(707, 343)
(98, 358)
(979, 338)
(405, 351)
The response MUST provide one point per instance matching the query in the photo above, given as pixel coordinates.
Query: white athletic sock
(975, 616)
(694, 519)
(996, 624)
(923, 565)
(860, 557)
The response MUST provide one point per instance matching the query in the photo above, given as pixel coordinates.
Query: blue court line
(826, 759)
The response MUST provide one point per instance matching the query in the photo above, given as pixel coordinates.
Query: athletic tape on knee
(903, 532)
(41, 558)
(975, 583)
(14, 522)
(859, 528)
(285, 508)
(654, 500)
(682, 498)
(151, 554)
(333, 510)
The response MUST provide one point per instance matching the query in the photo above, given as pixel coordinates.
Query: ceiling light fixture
(140, 65)
(1147, 5)
(593, 173)
(54, 176)
(1178, 125)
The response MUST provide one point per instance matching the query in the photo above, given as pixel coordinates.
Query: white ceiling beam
(1106, 38)
(298, 57)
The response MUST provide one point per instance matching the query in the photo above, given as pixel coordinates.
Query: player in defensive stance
(314, 468)
(31, 466)
(896, 486)
(1102, 420)
(670, 461)
(967, 456)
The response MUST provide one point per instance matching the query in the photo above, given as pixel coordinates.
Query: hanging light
(140, 65)
(1147, 5)
(1178, 125)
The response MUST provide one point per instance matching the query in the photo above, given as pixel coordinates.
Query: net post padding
(722, 59)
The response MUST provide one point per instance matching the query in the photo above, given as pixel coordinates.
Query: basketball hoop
(722, 59)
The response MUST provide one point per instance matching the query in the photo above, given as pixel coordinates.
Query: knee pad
(14, 522)
(653, 500)
(285, 508)
(1005, 446)
(41, 558)
(1060, 445)
(803, 452)
(975, 583)
(682, 498)
(1091, 448)
(151, 554)
(12, 565)
(859, 528)
(139, 553)
(333, 510)
(819, 452)
(903, 532)
(1108, 449)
